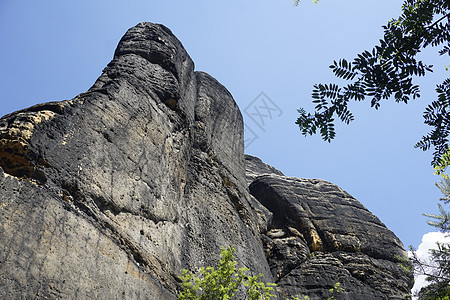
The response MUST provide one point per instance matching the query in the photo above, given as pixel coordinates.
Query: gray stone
(255, 167)
(110, 194)
(320, 235)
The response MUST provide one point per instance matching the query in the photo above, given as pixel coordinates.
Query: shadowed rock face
(110, 194)
(321, 235)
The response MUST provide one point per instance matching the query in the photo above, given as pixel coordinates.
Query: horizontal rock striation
(320, 235)
(110, 194)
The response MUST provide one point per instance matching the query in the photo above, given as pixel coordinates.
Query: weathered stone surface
(320, 235)
(109, 195)
(255, 167)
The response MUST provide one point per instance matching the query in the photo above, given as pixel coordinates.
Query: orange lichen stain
(316, 242)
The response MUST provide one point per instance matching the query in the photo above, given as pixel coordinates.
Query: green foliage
(430, 293)
(437, 267)
(437, 270)
(387, 71)
(405, 264)
(335, 290)
(223, 283)
(442, 220)
(442, 164)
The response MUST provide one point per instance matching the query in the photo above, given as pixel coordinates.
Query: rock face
(110, 194)
(320, 236)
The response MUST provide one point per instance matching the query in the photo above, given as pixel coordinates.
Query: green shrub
(222, 283)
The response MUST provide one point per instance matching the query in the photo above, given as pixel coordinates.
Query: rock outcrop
(110, 194)
(320, 235)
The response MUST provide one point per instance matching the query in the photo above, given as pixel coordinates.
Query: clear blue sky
(54, 50)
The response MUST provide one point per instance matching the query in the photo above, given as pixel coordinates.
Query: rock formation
(320, 235)
(110, 194)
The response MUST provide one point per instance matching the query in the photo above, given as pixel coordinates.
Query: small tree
(387, 71)
(437, 267)
(223, 283)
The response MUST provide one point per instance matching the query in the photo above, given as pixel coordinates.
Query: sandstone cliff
(110, 194)
(320, 235)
